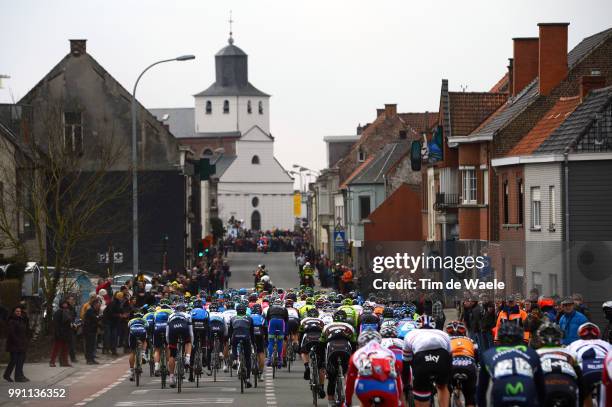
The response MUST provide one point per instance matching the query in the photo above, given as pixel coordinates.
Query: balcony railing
(445, 200)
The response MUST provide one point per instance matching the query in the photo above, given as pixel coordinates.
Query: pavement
(108, 385)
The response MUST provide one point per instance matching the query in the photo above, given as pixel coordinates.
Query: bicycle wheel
(151, 357)
(289, 356)
(179, 368)
(241, 376)
(314, 378)
(340, 385)
(162, 367)
(255, 366)
(215, 358)
(198, 365)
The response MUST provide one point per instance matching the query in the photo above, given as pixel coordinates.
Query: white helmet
(307, 264)
(148, 287)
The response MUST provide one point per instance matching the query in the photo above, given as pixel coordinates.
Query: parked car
(122, 279)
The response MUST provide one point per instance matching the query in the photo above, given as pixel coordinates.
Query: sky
(327, 64)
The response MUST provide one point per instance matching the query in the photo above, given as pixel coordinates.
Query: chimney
(390, 110)
(379, 112)
(78, 47)
(510, 76)
(359, 129)
(526, 61)
(591, 82)
(552, 55)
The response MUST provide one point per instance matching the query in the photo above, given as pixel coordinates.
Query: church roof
(217, 90)
(230, 50)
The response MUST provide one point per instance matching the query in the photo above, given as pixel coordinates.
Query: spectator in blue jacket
(570, 321)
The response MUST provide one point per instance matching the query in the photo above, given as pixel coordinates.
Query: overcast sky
(327, 64)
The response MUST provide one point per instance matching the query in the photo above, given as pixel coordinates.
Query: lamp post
(135, 265)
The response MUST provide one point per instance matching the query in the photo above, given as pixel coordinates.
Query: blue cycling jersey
(199, 314)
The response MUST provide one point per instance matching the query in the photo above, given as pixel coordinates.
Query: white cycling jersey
(420, 340)
(293, 313)
(588, 349)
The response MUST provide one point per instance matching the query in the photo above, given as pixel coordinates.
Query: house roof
(180, 119)
(469, 109)
(501, 85)
(374, 172)
(356, 172)
(222, 164)
(420, 122)
(549, 122)
(577, 123)
(517, 104)
(234, 90)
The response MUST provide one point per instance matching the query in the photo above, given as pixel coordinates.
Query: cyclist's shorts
(200, 326)
(561, 387)
(158, 335)
(466, 366)
(434, 363)
(293, 325)
(591, 373)
(276, 327)
(136, 332)
(514, 390)
(338, 349)
(259, 343)
(366, 389)
(309, 340)
(178, 329)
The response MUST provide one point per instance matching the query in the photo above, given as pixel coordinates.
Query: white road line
(174, 402)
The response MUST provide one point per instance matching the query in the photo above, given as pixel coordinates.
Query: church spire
(231, 39)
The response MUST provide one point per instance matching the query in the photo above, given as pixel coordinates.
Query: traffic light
(201, 248)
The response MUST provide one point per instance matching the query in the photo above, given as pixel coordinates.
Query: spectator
(90, 329)
(487, 324)
(581, 306)
(111, 318)
(62, 331)
(16, 342)
(437, 310)
(570, 321)
(73, 319)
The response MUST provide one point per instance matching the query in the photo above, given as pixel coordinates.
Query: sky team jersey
(425, 339)
(463, 346)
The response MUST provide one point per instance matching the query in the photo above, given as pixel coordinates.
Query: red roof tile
(544, 128)
(501, 85)
(469, 109)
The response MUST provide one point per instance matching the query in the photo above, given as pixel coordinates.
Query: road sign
(339, 241)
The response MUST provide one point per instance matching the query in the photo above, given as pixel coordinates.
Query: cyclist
(159, 332)
(427, 351)
(199, 320)
(259, 332)
(336, 339)
(149, 315)
(606, 388)
(607, 310)
(351, 313)
(464, 353)
(138, 332)
(392, 342)
(293, 323)
(179, 326)
(308, 305)
(216, 327)
(311, 329)
(241, 331)
(308, 275)
(228, 314)
(373, 373)
(562, 374)
(368, 320)
(510, 373)
(591, 352)
(277, 318)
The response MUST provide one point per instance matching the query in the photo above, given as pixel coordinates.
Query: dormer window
(225, 106)
(208, 107)
(255, 160)
(249, 107)
(260, 107)
(361, 155)
(207, 152)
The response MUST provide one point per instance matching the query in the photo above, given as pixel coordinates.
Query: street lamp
(135, 162)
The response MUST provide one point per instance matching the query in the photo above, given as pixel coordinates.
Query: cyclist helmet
(197, 304)
(369, 335)
(165, 306)
(278, 302)
(388, 312)
(347, 301)
(144, 309)
(256, 309)
(320, 302)
(550, 334)
(219, 293)
(426, 322)
(339, 316)
(455, 328)
(510, 334)
(313, 313)
(607, 309)
(138, 314)
(241, 309)
(388, 331)
(309, 301)
(291, 296)
(589, 330)
(164, 301)
(181, 307)
(265, 279)
(340, 298)
(288, 303)
(213, 307)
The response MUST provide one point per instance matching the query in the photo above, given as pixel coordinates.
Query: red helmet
(589, 330)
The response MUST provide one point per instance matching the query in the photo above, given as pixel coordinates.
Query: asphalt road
(107, 385)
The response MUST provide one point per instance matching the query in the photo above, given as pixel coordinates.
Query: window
(364, 207)
(207, 152)
(73, 132)
(260, 104)
(552, 210)
(553, 284)
(485, 186)
(226, 106)
(536, 209)
(361, 155)
(208, 107)
(255, 202)
(255, 160)
(521, 193)
(249, 107)
(255, 220)
(506, 209)
(469, 186)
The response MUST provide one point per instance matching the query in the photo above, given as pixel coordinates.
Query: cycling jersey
(304, 310)
(216, 324)
(160, 325)
(511, 375)
(150, 317)
(464, 353)
(199, 320)
(293, 323)
(179, 326)
(405, 326)
(138, 331)
(374, 372)
(311, 329)
(395, 345)
(368, 321)
(561, 375)
(351, 314)
(464, 347)
(259, 331)
(590, 354)
(421, 340)
(606, 388)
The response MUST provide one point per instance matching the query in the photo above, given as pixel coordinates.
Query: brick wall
(198, 145)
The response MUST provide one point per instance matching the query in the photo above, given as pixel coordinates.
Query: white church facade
(230, 124)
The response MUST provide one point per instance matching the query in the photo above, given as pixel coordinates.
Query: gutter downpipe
(566, 264)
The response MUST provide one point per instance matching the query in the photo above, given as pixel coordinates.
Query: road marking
(174, 402)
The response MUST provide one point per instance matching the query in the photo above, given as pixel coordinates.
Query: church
(230, 124)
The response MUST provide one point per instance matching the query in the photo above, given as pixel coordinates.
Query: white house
(234, 115)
